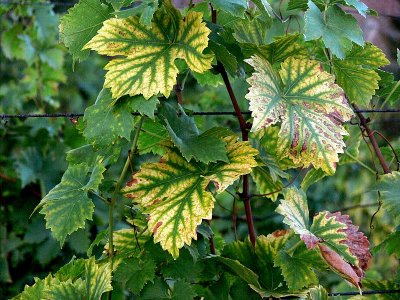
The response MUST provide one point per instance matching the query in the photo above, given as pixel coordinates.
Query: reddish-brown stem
(211, 240)
(370, 133)
(178, 92)
(245, 137)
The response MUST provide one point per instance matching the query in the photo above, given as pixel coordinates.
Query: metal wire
(197, 113)
(372, 292)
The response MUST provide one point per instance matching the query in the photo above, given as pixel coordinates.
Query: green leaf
(357, 4)
(389, 188)
(152, 138)
(148, 63)
(96, 176)
(117, 4)
(308, 103)
(80, 25)
(183, 291)
(264, 7)
(391, 244)
(97, 279)
(296, 269)
(206, 147)
(145, 10)
(37, 290)
(29, 166)
(106, 122)
(382, 285)
(134, 273)
(234, 7)
(294, 208)
(173, 192)
(312, 177)
(143, 106)
(208, 78)
(282, 48)
(155, 290)
(355, 76)
(66, 207)
(265, 183)
(66, 290)
(318, 293)
(338, 30)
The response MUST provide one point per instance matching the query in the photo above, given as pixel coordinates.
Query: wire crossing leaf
(147, 56)
(338, 30)
(173, 191)
(310, 106)
(66, 207)
(206, 147)
(356, 74)
(389, 187)
(80, 25)
(106, 122)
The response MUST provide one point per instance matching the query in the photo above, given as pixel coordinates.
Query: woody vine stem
(245, 195)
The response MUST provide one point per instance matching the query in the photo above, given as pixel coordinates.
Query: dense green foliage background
(37, 76)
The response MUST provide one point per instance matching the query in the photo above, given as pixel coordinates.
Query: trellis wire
(196, 113)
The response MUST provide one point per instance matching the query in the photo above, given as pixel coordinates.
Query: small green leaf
(152, 138)
(96, 176)
(338, 29)
(357, 4)
(145, 9)
(389, 188)
(66, 207)
(312, 177)
(80, 25)
(297, 269)
(234, 7)
(294, 208)
(134, 273)
(148, 55)
(206, 147)
(143, 106)
(97, 279)
(183, 291)
(106, 122)
(356, 74)
(66, 290)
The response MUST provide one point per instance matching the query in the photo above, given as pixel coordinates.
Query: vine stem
(245, 137)
(370, 133)
(116, 192)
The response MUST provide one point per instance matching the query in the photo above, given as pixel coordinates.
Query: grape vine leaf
(148, 63)
(118, 4)
(206, 147)
(338, 30)
(297, 269)
(80, 25)
(173, 191)
(310, 106)
(106, 122)
(67, 206)
(389, 187)
(234, 7)
(66, 290)
(152, 138)
(183, 291)
(145, 9)
(302, 4)
(134, 273)
(391, 244)
(356, 74)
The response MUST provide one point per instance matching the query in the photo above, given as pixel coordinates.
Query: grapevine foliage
(300, 83)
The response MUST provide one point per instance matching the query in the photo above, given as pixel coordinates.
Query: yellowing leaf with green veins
(309, 105)
(356, 74)
(146, 56)
(173, 191)
(325, 227)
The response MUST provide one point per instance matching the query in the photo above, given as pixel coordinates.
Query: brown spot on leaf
(279, 232)
(159, 223)
(132, 182)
